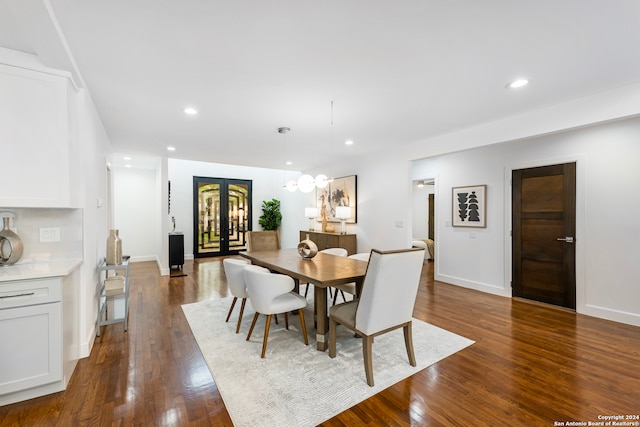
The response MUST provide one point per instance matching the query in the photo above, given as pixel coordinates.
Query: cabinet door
(31, 350)
(35, 137)
(331, 241)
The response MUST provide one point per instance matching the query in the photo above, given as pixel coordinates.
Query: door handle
(566, 239)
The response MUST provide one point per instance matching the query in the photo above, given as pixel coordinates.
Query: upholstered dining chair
(271, 294)
(350, 288)
(235, 281)
(330, 251)
(263, 240)
(385, 303)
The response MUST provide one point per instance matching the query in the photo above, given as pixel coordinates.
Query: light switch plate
(49, 234)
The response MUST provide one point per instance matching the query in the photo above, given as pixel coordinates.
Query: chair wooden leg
(408, 342)
(276, 317)
(286, 321)
(303, 327)
(244, 301)
(306, 291)
(332, 338)
(253, 323)
(233, 303)
(335, 297)
(367, 341)
(266, 335)
(343, 297)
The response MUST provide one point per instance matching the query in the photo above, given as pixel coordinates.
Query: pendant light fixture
(306, 183)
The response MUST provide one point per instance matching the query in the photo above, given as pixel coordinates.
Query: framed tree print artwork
(339, 192)
(470, 206)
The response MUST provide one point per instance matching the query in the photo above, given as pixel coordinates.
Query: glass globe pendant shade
(306, 183)
(322, 181)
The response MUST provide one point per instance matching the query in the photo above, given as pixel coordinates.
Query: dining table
(322, 271)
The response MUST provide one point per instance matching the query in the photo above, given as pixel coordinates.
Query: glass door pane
(238, 202)
(208, 218)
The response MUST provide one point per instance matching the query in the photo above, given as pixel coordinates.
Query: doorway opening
(221, 216)
(423, 221)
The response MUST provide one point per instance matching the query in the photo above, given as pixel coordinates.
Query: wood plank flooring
(531, 365)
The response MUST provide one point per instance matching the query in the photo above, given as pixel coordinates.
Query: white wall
(384, 199)
(136, 212)
(266, 185)
(607, 177)
(94, 149)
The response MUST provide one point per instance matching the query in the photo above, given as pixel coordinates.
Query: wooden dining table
(323, 271)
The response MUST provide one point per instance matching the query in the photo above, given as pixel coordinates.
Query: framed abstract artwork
(339, 192)
(469, 206)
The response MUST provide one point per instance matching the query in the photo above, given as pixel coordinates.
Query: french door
(221, 216)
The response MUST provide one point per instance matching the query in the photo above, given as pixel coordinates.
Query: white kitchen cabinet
(37, 130)
(31, 354)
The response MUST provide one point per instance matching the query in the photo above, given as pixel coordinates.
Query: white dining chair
(350, 288)
(271, 294)
(385, 303)
(235, 281)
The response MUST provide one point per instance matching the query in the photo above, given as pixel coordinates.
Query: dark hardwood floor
(531, 365)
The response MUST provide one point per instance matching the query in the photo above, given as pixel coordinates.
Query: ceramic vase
(307, 249)
(114, 248)
(10, 245)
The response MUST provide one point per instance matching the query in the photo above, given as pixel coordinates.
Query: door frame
(580, 244)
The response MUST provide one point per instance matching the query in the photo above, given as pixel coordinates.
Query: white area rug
(297, 385)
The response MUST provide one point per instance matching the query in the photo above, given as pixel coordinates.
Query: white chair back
(335, 251)
(235, 280)
(264, 287)
(362, 256)
(389, 290)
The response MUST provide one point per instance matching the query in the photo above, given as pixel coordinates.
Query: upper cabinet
(38, 138)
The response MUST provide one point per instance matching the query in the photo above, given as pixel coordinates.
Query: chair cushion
(286, 302)
(345, 314)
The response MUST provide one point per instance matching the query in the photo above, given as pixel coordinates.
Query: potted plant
(271, 216)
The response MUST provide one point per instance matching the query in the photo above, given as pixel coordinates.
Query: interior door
(543, 234)
(222, 214)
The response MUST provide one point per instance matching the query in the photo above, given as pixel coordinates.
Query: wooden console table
(331, 240)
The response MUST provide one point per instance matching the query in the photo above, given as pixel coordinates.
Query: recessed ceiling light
(348, 142)
(289, 162)
(191, 111)
(517, 83)
(127, 166)
(171, 148)
(127, 158)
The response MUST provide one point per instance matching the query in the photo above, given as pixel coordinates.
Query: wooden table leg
(322, 320)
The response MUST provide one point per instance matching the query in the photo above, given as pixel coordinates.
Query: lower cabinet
(31, 332)
(331, 240)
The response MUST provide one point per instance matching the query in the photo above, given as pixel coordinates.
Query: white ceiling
(397, 71)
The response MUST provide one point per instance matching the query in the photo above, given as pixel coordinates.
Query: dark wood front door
(543, 234)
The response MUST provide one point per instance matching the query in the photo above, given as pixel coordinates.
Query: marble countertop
(36, 270)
